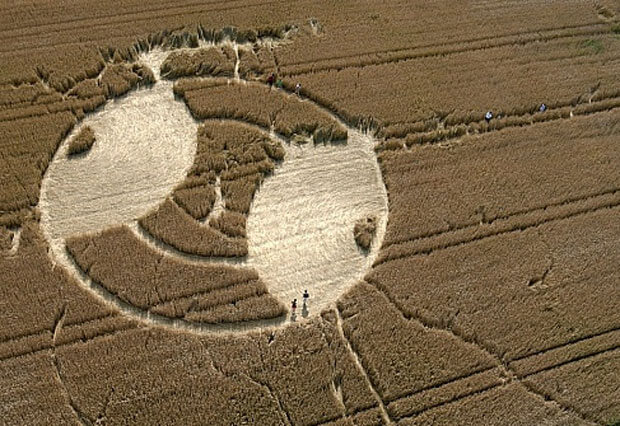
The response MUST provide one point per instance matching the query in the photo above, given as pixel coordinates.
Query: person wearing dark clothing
(271, 79)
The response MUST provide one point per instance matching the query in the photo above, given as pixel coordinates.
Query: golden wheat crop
(221, 297)
(524, 274)
(21, 276)
(260, 105)
(211, 61)
(421, 90)
(511, 403)
(172, 225)
(243, 309)
(277, 358)
(386, 356)
(240, 156)
(501, 245)
(82, 142)
(596, 376)
(364, 231)
(121, 263)
(28, 146)
(494, 176)
(6, 238)
(230, 223)
(197, 200)
(118, 79)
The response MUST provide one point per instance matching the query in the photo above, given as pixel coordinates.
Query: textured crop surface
(261, 105)
(168, 286)
(493, 299)
(82, 142)
(231, 159)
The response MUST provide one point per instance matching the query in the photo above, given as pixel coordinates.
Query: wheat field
(173, 174)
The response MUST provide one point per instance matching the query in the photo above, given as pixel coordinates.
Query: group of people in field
(305, 296)
(277, 81)
(489, 115)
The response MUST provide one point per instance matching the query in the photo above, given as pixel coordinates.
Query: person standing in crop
(298, 89)
(271, 79)
(306, 296)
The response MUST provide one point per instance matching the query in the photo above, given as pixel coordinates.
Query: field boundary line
(563, 345)
(453, 49)
(499, 361)
(49, 346)
(282, 411)
(69, 27)
(274, 395)
(440, 384)
(58, 324)
(204, 293)
(450, 43)
(454, 132)
(63, 106)
(522, 117)
(509, 230)
(94, 319)
(491, 387)
(131, 21)
(47, 330)
(568, 344)
(570, 361)
(356, 358)
(24, 336)
(490, 221)
(473, 392)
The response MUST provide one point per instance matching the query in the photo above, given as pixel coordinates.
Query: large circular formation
(299, 229)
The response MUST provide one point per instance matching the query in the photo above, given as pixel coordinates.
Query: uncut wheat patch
(82, 142)
(258, 104)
